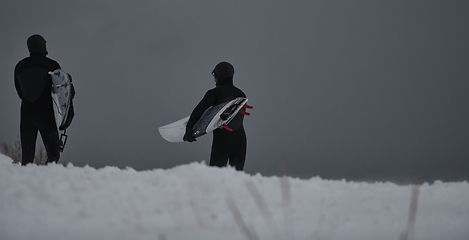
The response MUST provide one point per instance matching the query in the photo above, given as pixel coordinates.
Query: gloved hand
(188, 136)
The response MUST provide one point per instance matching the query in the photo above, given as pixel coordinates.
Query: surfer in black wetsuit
(33, 84)
(227, 147)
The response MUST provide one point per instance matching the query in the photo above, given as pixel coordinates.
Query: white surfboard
(215, 117)
(174, 132)
(62, 97)
(61, 94)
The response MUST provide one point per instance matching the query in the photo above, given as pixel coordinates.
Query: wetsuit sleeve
(17, 84)
(206, 102)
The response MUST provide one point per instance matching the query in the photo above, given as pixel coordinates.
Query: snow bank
(195, 201)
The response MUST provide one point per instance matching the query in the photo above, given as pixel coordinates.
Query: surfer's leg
(219, 156)
(221, 148)
(238, 156)
(50, 138)
(28, 133)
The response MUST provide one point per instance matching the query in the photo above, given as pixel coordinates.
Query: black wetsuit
(33, 84)
(227, 147)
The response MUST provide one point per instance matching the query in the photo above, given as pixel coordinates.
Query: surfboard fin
(226, 127)
(248, 106)
(244, 112)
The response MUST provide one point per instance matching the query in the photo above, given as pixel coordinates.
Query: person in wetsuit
(227, 147)
(33, 85)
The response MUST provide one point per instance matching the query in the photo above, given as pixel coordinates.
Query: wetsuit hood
(223, 72)
(37, 45)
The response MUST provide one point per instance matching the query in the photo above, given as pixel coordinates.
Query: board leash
(62, 141)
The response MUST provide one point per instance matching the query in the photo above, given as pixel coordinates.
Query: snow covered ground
(195, 201)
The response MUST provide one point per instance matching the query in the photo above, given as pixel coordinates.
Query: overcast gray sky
(361, 90)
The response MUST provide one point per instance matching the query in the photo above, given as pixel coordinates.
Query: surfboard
(214, 117)
(61, 96)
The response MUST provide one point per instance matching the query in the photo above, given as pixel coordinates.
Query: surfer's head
(223, 73)
(37, 44)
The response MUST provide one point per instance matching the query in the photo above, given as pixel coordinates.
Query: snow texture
(195, 201)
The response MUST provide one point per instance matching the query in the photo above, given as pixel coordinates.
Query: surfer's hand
(188, 136)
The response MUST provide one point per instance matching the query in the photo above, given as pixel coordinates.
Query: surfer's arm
(17, 84)
(72, 89)
(206, 102)
(18, 89)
